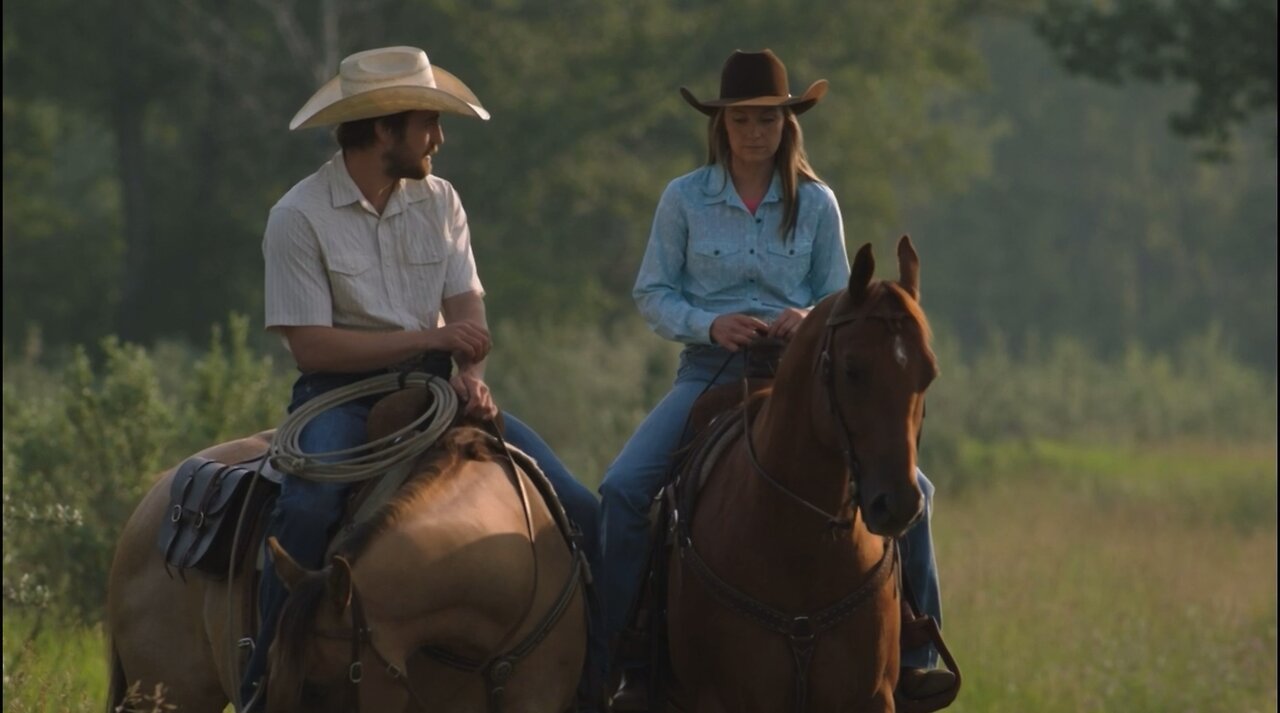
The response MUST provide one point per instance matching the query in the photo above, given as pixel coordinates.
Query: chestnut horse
(463, 567)
(782, 593)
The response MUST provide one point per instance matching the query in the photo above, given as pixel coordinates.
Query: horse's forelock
(289, 651)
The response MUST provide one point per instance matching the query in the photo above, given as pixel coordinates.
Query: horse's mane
(299, 612)
(455, 446)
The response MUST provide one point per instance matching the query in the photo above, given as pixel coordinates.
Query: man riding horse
(368, 267)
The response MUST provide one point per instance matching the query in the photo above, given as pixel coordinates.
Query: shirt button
(717, 252)
(793, 252)
(753, 251)
(759, 220)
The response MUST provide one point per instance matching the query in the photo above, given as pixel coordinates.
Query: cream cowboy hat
(385, 81)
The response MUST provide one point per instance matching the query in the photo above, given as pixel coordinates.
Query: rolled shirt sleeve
(461, 275)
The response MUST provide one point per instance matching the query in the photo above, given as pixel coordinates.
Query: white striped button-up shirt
(331, 260)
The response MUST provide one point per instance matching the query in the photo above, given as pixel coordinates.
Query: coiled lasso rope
(376, 457)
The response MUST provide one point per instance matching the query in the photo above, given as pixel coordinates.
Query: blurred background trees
(142, 151)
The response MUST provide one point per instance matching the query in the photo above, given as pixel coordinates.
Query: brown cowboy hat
(756, 79)
(385, 81)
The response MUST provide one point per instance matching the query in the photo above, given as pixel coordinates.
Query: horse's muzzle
(891, 514)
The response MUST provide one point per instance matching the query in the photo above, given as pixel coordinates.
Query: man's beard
(400, 163)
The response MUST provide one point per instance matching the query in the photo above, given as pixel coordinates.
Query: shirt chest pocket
(352, 279)
(419, 253)
(791, 260)
(716, 264)
(350, 268)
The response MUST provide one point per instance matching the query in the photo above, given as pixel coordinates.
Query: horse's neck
(788, 451)
(776, 527)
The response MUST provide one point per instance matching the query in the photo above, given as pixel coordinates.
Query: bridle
(838, 522)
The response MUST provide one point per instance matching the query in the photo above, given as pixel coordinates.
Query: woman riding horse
(744, 246)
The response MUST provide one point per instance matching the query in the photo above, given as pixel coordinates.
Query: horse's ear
(287, 568)
(339, 583)
(909, 267)
(864, 268)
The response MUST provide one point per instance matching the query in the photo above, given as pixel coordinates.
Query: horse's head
(313, 665)
(873, 364)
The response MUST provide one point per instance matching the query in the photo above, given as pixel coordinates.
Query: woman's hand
(787, 323)
(735, 331)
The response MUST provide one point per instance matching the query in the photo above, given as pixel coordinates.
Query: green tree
(1224, 49)
(1095, 221)
(189, 101)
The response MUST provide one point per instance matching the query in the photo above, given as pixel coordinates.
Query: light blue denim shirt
(708, 255)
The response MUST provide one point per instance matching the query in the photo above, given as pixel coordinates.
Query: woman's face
(755, 132)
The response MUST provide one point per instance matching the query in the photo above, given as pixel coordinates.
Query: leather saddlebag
(205, 502)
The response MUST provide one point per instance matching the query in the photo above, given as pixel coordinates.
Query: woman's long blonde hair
(791, 162)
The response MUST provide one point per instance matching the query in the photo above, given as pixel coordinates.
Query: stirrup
(632, 694)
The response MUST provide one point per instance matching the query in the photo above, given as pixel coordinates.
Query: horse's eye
(853, 373)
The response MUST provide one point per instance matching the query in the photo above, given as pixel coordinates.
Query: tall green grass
(1065, 590)
(1072, 590)
(52, 666)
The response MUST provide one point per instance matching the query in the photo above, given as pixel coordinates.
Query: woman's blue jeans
(641, 469)
(306, 512)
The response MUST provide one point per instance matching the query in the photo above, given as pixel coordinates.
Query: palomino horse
(463, 567)
(782, 591)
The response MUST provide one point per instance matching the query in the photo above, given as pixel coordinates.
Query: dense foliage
(141, 157)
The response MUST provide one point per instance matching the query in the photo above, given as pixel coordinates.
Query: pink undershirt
(752, 205)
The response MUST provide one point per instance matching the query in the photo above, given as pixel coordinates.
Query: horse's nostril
(879, 512)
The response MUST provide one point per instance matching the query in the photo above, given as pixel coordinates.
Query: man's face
(409, 156)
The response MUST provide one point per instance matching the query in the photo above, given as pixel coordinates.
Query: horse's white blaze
(899, 351)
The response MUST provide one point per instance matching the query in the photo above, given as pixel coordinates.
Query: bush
(80, 457)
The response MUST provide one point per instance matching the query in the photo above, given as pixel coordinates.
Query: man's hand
(464, 339)
(785, 326)
(476, 399)
(735, 331)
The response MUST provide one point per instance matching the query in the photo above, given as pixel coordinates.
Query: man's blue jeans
(306, 512)
(641, 469)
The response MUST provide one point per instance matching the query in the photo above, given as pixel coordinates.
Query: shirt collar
(343, 190)
(717, 188)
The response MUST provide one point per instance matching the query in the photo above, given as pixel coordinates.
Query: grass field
(1075, 579)
(1104, 580)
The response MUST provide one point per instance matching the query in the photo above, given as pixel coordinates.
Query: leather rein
(802, 630)
(496, 670)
